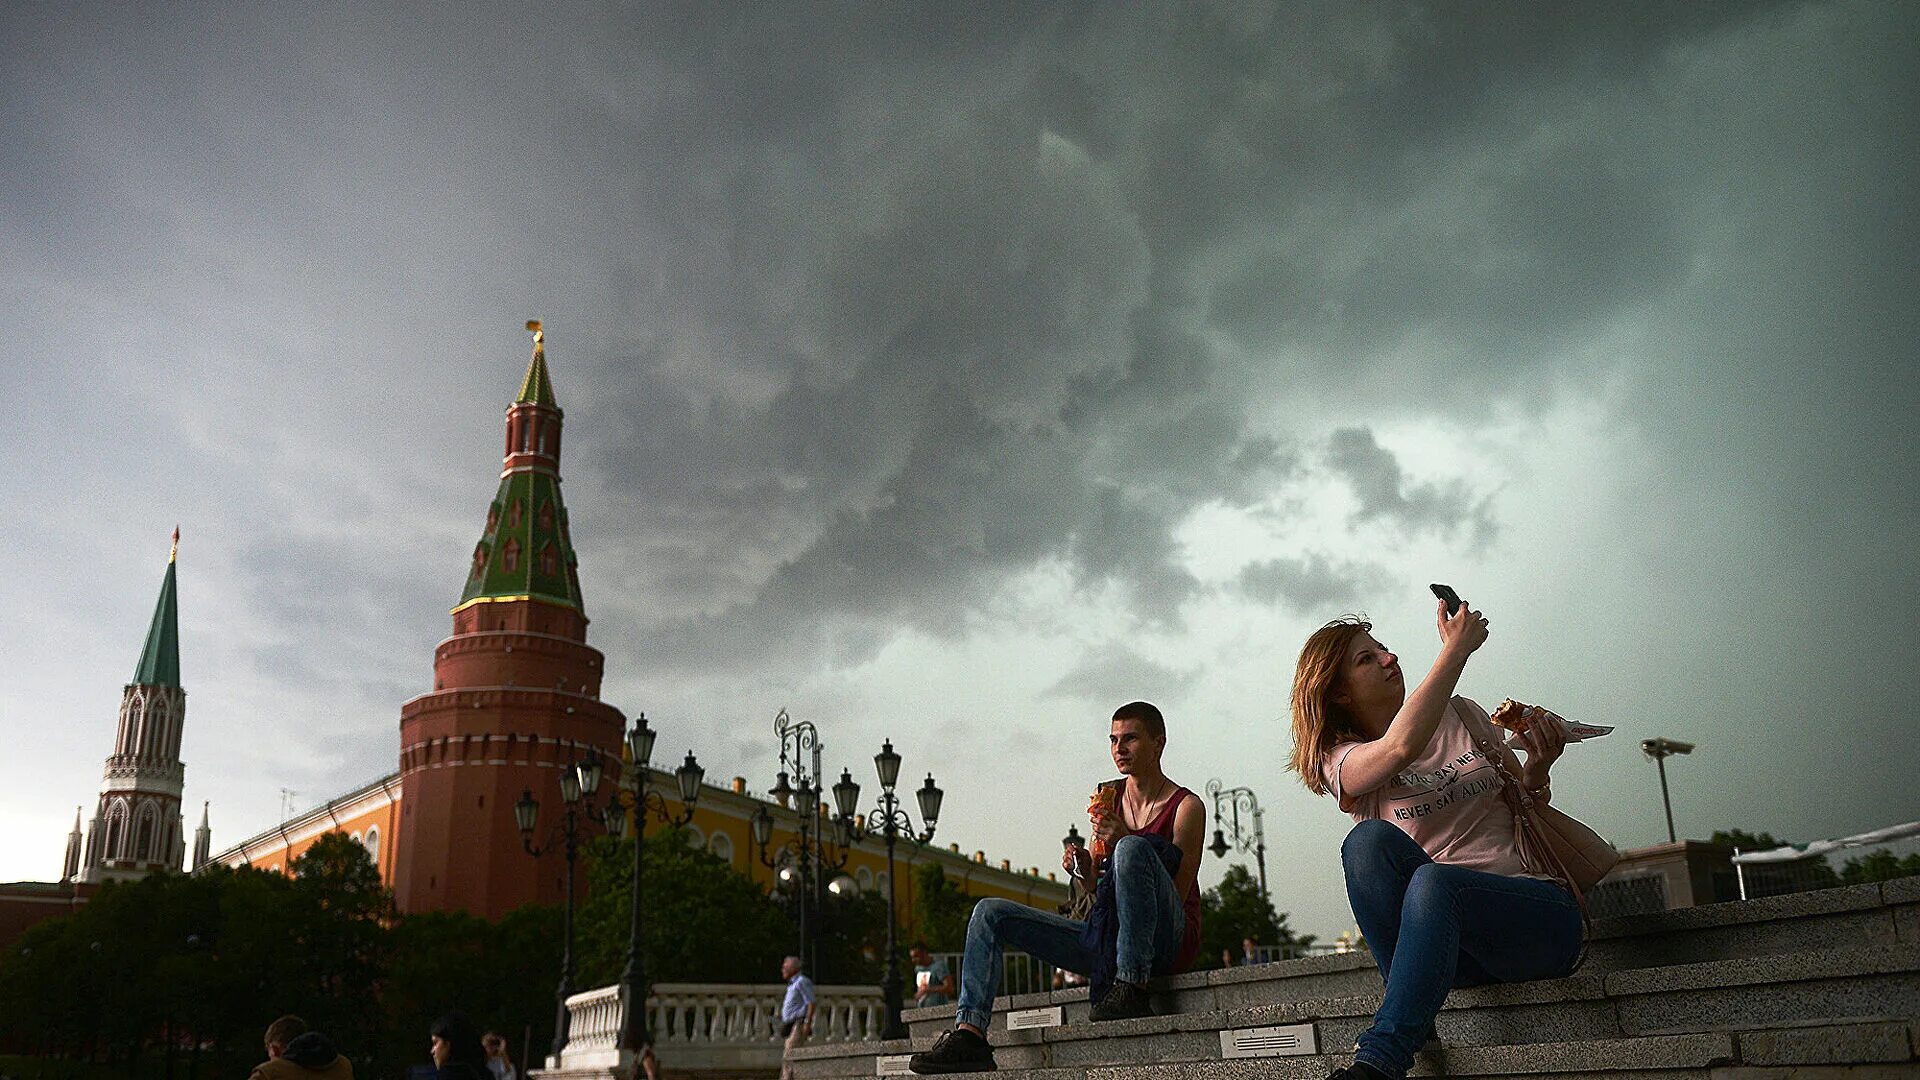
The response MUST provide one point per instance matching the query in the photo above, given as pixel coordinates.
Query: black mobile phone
(1445, 592)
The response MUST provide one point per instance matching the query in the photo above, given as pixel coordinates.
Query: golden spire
(536, 388)
(175, 553)
(539, 335)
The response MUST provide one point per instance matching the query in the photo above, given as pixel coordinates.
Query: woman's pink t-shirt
(1448, 800)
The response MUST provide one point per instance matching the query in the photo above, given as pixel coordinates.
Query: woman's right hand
(1462, 632)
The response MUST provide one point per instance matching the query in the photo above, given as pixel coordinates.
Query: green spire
(535, 388)
(160, 660)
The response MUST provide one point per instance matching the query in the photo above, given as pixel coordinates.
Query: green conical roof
(160, 660)
(526, 552)
(536, 389)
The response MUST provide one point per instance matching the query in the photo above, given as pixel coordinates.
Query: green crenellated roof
(160, 660)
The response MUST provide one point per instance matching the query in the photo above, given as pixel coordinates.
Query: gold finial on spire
(175, 553)
(539, 335)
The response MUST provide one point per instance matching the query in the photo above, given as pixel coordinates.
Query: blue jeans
(1434, 927)
(1151, 919)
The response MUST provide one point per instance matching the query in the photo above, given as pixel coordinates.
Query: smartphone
(1445, 592)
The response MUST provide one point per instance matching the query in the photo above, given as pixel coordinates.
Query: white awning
(1792, 853)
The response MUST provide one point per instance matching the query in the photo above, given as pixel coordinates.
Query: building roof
(536, 389)
(160, 659)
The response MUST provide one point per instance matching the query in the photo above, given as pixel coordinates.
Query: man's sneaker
(955, 1051)
(1124, 1001)
(1359, 1070)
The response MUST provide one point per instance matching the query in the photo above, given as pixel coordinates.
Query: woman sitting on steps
(1434, 871)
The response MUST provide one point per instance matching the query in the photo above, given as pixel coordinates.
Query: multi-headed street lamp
(578, 784)
(634, 1035)
(1249, 834)
(812, 854)
(893, 823)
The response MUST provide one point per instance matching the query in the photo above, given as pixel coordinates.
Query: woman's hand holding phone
(1462, 632)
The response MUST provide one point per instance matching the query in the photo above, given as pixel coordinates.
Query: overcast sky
(955, 373)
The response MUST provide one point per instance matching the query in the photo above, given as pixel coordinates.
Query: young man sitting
(1151, 838)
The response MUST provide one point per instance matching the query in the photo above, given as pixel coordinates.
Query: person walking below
(294, 1052)
(457, 1050)
(499, 1062)
(1434, 867)
(796, 1013)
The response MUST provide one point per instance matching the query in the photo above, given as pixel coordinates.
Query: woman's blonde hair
(1317, 721)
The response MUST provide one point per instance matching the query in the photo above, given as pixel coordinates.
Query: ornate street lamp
(1250, 835)
(634, 1035)
(894, 822)
(803, 860)
(578, 784)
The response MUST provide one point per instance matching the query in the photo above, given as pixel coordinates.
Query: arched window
(143, 843)
(865, 877)
(116, 830)
(880, 882)
(511, 557)
(372, 843)
(696, 839)
(722, 846)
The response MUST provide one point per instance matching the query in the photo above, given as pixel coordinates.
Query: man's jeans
(1151, 920)
(1434, 927)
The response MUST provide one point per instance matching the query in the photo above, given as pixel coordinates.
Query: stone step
(1886, 915)
(1805, 1051)
(1838, 985)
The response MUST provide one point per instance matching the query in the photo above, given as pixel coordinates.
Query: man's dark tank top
(1162, 825)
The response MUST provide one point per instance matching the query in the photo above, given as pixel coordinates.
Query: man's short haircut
(285, 1030)
(919, 945)
(1146, 713)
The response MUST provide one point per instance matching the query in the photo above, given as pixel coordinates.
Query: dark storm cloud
(1107, 678)
(1377, 481)
(942, 336)
(1311, 583)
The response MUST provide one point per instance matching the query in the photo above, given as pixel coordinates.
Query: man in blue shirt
(796, 1012)
(932, 980)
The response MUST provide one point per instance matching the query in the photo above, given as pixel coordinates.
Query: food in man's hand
(1100, 808)
(1518, 716)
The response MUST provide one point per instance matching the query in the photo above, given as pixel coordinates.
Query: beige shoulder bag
(1551, 842)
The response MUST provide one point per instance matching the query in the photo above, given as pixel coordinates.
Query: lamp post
(634, 1035)
(1659, 750)
(1234, 833)
(578, 783)
(894, 822)
(800, 748)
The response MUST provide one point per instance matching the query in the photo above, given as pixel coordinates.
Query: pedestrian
(1249, 952)
(295, 1052)
(499, 1062)
(932, 979)
(457, 1051)
(796, 1013)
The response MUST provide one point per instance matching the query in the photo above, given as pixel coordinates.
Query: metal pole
(560, 1019)
(1661, 760)
(633, 1026)
(890, 990)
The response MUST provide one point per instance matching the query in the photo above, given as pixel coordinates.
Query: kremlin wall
(515, 699)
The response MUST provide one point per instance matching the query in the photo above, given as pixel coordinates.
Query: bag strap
(1533, 848)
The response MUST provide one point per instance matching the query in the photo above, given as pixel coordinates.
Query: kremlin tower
(137, 828)
(516, 691)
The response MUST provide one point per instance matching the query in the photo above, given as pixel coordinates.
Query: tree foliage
(940, 909)
(1235, 910)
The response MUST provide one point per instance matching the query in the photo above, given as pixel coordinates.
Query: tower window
(511, 557)
(513, 514)
(479, 558)
(549, 559)
(546, 515)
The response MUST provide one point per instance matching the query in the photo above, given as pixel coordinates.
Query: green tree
(1771, 879)
(940, 909)
(1881, 865)
(1235, 910)
(702, 922)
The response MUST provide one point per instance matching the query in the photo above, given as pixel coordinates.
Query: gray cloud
(1312, 583)
(1108, 677)
(1378, 482)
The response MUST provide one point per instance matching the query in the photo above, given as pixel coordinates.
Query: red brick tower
(516, 691)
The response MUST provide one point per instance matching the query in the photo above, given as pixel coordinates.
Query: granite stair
(1800, 987)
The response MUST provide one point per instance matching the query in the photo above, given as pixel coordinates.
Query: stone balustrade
(721, 1027)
